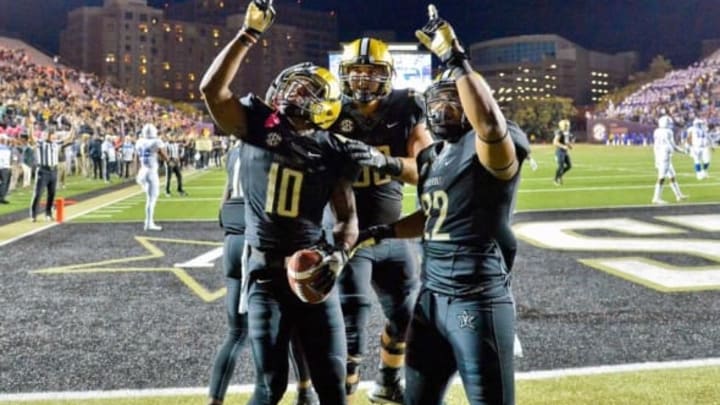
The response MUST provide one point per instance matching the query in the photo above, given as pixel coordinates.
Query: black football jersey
(564, 138)
(232, 214)
(285, 196)
(378, 197)
(465, 207)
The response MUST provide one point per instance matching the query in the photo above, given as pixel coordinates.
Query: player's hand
(439, 37)
(371, 236)
(259, 16)
(333, 261)
(366, 155)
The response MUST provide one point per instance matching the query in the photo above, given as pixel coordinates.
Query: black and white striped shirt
(47, 154)
(173, 150)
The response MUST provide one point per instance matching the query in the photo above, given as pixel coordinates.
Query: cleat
(183, 194)
(658, 201)
(49, 218)
(307, 397)
(168, 195)
(153, 227)
(681, 197)
(387, 394)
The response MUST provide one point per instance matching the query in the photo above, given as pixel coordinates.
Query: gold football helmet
(366, 70)
(306, 91)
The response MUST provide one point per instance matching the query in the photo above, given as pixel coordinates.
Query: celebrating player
(464, 318)
(387, 130)
(285, 196)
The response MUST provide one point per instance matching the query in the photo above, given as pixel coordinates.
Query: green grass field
(601, 177)
(20, 197)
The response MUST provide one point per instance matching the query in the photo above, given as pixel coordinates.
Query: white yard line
(248, 388)
(649, 186)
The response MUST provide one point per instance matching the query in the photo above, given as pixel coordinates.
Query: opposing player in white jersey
(664, 146)
(149, 146)
(700, 144)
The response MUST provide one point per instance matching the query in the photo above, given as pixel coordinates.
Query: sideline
(248, 388)
(17, 230)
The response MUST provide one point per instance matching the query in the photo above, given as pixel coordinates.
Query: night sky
(673, 28)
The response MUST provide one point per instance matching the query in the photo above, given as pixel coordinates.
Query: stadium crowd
(684, 94)
(38, 99)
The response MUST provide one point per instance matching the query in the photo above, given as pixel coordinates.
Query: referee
(172, 166)
(47, 155)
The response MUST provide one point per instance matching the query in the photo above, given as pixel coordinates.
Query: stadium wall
(600, 130)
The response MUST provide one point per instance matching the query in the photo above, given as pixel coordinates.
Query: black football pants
(389, 268)
(470, 335)
(224, 364)
(45, 179)
(274, 315)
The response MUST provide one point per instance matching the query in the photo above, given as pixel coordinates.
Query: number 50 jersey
(378, 197)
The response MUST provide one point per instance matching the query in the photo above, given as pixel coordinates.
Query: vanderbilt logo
(466, 320)
(273, 139)
(347, 125)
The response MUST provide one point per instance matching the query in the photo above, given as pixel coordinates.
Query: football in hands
(307, 274)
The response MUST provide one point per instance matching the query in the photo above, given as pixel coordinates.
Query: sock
(658, 191)
(675, 188)
(392, 357)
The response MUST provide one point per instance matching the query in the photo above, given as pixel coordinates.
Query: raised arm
(222, 104)
(493, 146)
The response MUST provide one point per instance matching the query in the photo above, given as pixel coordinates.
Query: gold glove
(259, 16)
(439, 37)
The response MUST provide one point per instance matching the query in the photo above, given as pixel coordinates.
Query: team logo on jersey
(273, 139)
(347, 125)
(466, 320)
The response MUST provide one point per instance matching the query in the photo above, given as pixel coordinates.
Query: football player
(386, 131)
(285, 197)
(663, 146)
(149, 147)
(562, 141)
(700, 144)
(464, 317)
(232, 221)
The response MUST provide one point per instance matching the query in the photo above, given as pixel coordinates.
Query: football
(302, 272)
